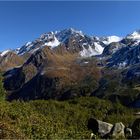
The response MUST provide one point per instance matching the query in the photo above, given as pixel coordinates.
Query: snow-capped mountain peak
(135, 35)
(73, 40)
(55, 38)
(63, 35)
(76, 31)
(51, 39)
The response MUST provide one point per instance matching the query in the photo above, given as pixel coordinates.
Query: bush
(2, 91)
(136, 129)
(50, 119)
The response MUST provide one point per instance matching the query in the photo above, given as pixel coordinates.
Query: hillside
(67, 64)
(58, 120)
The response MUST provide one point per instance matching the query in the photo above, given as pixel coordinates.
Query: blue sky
(25, 21)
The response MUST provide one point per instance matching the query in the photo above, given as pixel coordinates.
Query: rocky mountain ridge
(67, 64)
(66, 36)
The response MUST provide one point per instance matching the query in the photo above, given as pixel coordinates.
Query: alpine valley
(67, 64)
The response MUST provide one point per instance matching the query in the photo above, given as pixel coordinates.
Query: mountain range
(68, 64)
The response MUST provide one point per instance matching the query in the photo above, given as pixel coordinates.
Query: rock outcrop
(107, 130)
(99, 127)
(118, 130)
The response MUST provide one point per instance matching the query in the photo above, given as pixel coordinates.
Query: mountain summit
(73, 40)
(135, 35)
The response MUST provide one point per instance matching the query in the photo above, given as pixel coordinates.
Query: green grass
(51, 119)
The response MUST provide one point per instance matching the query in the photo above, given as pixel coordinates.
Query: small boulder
(128, 132)
(99, 127)
(118, 130)
(104, 128)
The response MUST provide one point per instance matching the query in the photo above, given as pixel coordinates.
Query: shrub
(136, 129)
(50, 119)
(2, 91)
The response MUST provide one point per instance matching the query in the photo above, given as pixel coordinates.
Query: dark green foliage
(2, 91)
(51, 119)
(136, 129)
(82, 88)
(113, 88)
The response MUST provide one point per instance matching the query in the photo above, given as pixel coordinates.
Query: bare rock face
(10, 60)
(112, 48)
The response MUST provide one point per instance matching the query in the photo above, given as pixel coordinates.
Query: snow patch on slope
(111, 39)
(135, 35)
(4, 53)
(122, 65)
(53, 43)
(98, 48)
(28, 43)
(137, 42)
(92, 51)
